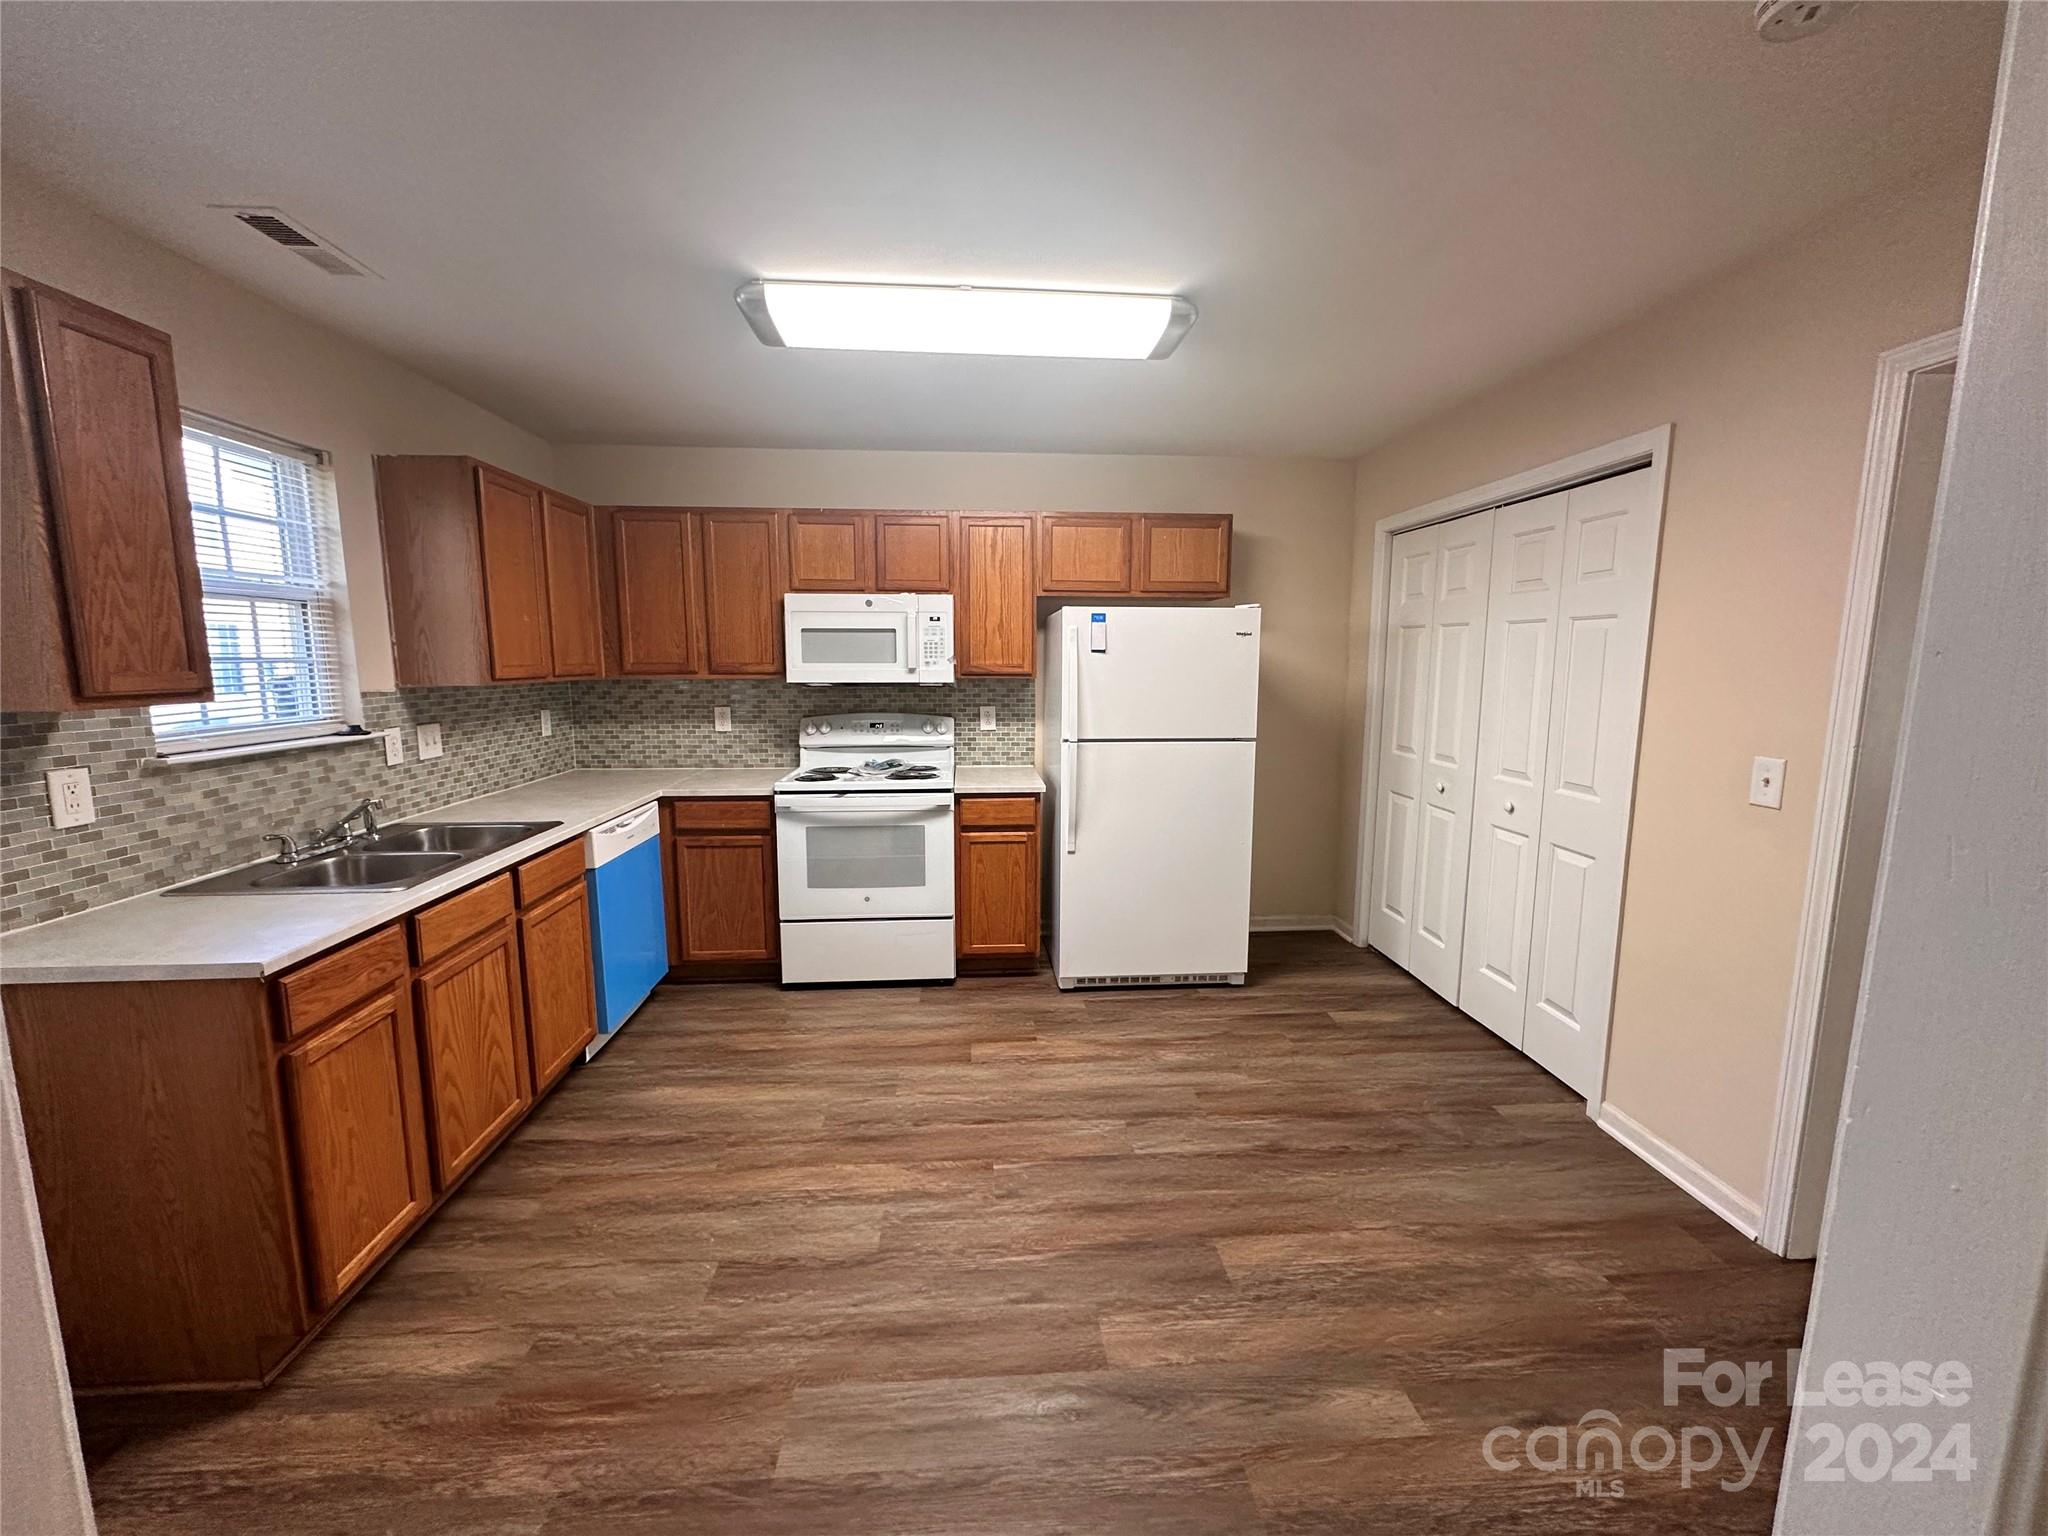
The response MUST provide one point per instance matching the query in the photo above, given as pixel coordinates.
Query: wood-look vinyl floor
(992, 1259)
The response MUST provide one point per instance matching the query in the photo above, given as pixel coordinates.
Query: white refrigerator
(1147, 724)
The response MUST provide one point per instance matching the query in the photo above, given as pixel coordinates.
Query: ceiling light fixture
(1004, 322)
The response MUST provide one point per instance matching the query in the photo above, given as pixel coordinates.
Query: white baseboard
(1343, 930)
(1296, 925)
(1718, 1196)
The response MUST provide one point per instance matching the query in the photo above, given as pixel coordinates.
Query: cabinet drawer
(322, 989)
(721, 815)
(547, 873)
(446, 924)
(998, 811)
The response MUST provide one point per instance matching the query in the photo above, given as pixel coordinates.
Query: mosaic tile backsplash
(161, 824)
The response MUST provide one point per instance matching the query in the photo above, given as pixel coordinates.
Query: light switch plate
(721, 717)
(394, 747)
(430, 742)
(1767, 783)
(988, 717)
(547, 722)
(71, 797)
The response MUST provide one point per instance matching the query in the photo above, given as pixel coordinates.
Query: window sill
(351, 737)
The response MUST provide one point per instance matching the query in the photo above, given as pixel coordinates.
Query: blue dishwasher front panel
(628, 931)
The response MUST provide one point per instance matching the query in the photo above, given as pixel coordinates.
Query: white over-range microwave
(868, 637)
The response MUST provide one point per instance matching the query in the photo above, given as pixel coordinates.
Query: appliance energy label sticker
(1098, 631)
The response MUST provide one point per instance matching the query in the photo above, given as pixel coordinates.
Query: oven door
(849, 637)
(874, 853)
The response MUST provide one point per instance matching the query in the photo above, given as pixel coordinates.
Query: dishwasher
(628, 920)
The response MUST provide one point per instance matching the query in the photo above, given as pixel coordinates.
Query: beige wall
(1292, 555)
(246, 360)
(1767, 372)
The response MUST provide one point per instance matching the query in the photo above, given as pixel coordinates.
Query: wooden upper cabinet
(831, 551)
(472, 1029)
(1182, 554)
(358, 1140)
(993, 620)
(659, 592)
(561, 996)
(569, 536)
(1080, 554)
(102, 599)
(913, 552)
(515, 575)
(743, 587)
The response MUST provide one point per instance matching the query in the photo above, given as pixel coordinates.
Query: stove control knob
(824, 730)
(930, 729)
(810, 730)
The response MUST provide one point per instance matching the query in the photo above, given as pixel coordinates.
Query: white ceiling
(1377, 207)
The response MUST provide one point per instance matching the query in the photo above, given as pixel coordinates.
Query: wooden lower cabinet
(722, 901)
(997, 873)
(561, 995)
(352, 1099)
(472, 1026)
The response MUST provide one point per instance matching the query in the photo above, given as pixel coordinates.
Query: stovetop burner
(820, 775)
(910, 771)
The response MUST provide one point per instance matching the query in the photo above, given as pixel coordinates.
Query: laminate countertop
(997, 779)
(161, 937)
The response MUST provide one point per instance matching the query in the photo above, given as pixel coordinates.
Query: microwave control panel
(936, 646)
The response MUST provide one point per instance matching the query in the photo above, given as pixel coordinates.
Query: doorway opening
(1895, 521)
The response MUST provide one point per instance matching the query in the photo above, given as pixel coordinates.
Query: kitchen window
(263, 521)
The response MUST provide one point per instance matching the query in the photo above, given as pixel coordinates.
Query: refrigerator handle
(1070, 693)
(1070, 773)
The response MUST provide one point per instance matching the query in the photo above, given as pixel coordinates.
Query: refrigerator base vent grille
(1184, 979)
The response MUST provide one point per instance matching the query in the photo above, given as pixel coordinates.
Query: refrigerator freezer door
(1158, 879)
(1163, 674)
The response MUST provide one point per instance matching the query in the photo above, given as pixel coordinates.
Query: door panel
(1164, 674)
(1078, 554)
(1609, 565)
(1514, 732)
(358, 1141)
(561, 992)
(725, 889)
(515, 576)
(1457, 621)
(1404, 695)
(1184, 554)
(831, 552)
(743, 587)
(994, 618)
(1153, 849)
(573, 628)
(660, 633)
(998, 874)
(473, 1032)
(913, 552)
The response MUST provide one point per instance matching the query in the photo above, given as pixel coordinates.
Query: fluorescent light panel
(1005, 322)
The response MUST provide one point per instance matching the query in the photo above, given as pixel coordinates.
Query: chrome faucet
(290, 851)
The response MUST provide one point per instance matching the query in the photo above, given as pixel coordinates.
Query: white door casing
(1514, 737)
(1603, 628)
(1456, 652)
(1411, 600)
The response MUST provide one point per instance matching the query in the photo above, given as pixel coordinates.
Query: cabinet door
(561, 994)
(743, 586)
(725, 895)
(515, 575)
(114, 477)
(473, 1035)
(998, 875)
(831, 552)
(994, 619)
(1189, 555)
(661, 631)
(358, 1140)
(570, 535)
(913, 552)
(1083, 554)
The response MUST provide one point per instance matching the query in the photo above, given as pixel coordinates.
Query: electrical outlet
(988, 717)
(394, 747)
(721, 718)
(71, 797)
(547, 722)
(1767, 783)
(430, 742)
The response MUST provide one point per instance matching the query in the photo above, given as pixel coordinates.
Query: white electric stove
(864, 850)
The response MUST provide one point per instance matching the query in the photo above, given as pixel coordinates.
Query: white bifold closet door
(1428, 734)
(1516, 644)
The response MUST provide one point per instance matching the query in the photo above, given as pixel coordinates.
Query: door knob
(1439, 786)
(1511, 807)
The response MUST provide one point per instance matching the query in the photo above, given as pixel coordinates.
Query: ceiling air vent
(272, 224)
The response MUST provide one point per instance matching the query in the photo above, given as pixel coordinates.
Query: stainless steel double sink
(400, 856)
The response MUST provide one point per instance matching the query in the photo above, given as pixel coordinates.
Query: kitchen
(924, 829)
